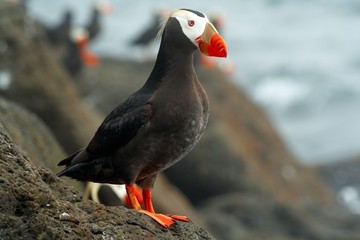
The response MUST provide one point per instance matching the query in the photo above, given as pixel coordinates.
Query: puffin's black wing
(59, 34)
(118, 129)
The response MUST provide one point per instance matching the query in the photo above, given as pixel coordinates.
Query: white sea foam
(5, 79)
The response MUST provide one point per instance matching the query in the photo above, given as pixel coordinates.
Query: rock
(35, 204)
(344, 180)
(169, 199)
(235, 216)
(34, 79)
(33, 136)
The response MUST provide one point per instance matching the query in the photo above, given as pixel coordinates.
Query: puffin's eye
(191, 23)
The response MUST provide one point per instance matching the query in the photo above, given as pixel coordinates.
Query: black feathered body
(71, 59)
(59, 34)
(154, 128)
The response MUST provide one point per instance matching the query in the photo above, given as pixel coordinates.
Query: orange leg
(137, 191)
(149, 207)
(133, 201)
(147, 200)
(163, 220)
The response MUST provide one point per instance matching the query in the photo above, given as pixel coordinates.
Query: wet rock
(344, 180)
(35, 204)
(233, 216)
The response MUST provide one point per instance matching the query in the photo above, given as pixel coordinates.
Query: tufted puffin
(94, 26)
(150, 33)
(110, 194)
(76, 52)
(58, 35)
(158, 124)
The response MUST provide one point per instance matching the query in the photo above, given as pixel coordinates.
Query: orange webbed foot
(180, 218)
(163, 220)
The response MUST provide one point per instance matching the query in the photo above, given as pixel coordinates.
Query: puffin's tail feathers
(75, 171)
(67, 161)
(97, 170)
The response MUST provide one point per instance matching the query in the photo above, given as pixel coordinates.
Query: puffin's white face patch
(192, 25)
(78, 33)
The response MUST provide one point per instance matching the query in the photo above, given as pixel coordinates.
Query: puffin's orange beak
(211, 43)
(106, 9)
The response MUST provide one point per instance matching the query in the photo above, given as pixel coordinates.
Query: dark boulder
(31, 134)
(235, 216)
(343, 179)
(33, 137)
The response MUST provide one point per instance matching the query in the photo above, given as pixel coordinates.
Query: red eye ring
(191, 23)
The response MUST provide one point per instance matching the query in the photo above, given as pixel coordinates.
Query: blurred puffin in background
(100, 7)
(150, 33)
(76, 52)
(110, 194)
(58, 35)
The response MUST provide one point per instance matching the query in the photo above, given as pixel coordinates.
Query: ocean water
(299, 59)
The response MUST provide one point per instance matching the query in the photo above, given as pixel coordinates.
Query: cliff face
(35, 204)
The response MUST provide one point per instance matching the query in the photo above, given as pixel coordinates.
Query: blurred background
(296, 61)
